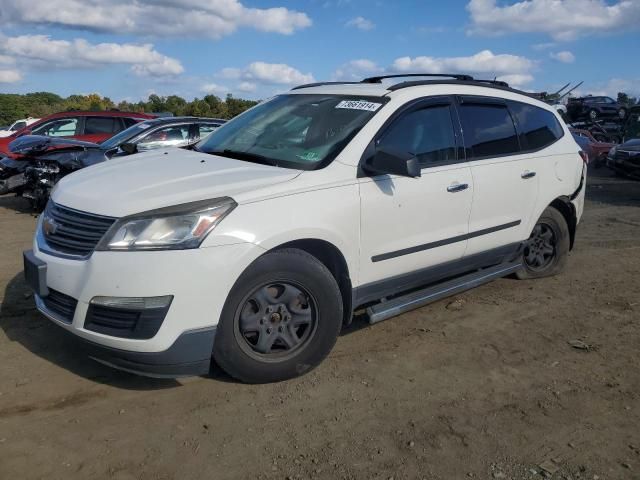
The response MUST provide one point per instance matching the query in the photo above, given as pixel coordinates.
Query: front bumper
(199, 281)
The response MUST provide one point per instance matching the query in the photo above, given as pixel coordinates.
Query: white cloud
(484, 62)
(41, 51)
(213, 88)
(513, 69)
(562, 20)
(543, 46)
(209, 18)
(356, 70)
(10, 76)
(564, 56)
(267, 73)
(247, 87)
(361, 23)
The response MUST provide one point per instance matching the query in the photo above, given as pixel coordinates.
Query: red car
(88, 126)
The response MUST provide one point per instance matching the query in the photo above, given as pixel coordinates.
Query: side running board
(399, 305)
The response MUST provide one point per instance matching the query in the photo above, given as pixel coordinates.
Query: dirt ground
(483, 385)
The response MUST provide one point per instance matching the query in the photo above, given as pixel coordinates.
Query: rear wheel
(547, 248)
(281, 319)
(593, 114)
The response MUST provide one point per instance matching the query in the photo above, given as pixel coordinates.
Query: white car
(256, 247)
(17, 125)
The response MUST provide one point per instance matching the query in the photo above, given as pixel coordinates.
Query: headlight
(172, 228)
(612, 152)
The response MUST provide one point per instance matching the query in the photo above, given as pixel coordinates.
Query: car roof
(168, 120)
(420, 88)
(105, 113)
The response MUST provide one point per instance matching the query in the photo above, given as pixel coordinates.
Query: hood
(37, 144)
(162, 178)
(632, 145)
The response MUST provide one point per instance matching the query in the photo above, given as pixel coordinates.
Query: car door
(97, 129)
(409, 224)
(59, 127)
(166, 136)
(505, 179)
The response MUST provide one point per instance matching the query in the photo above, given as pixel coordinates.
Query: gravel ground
(513, 380)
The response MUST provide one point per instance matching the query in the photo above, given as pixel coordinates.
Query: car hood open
(162, 178)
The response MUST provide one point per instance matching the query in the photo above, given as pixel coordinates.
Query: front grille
(125, 323)
(73, 232)
(62, 305)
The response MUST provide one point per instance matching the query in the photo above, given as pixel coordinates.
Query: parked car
(596, 150)
(624, 159)
(17, 125)
(42, 161)
(593, 108)
(87, 126)
(256, 246)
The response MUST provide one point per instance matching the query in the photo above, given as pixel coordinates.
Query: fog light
(133, 303)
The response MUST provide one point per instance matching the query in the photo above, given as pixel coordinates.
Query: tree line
(40, 104)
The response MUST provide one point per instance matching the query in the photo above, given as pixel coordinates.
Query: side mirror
(386, 161)
(129, 148)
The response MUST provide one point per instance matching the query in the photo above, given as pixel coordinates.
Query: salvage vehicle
(42, 161)
(17, 125)
(624, 159)
(256, 246)
(87, 126)
(597, 151)
(594, 108)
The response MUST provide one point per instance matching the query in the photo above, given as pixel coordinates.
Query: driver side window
(426, 133)
(171, 136)
(64, 127)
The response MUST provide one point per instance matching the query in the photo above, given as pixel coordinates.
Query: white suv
(255, 247)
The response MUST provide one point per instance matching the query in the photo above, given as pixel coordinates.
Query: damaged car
(37, 162)
(624, 159)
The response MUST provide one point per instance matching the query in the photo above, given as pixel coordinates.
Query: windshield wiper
(248, 156)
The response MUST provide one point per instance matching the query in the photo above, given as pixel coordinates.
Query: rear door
(97, 129)
(408, 224)
(505, 180)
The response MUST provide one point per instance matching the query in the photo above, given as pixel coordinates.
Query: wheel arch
(332, 258)
(568, 210)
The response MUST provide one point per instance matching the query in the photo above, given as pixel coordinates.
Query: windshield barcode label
(359, 105)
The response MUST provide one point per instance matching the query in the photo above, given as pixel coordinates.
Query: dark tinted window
(488, 130)
(538, 128)
(128, 122)
(100, 125)
(426, 133)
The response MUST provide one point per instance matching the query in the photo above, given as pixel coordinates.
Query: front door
(408, 224)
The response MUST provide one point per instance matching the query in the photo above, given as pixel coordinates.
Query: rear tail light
(585, 156)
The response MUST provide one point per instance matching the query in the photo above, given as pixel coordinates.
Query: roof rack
(379, 78)
(320, 84)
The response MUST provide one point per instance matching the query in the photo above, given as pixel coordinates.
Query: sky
(128, 49)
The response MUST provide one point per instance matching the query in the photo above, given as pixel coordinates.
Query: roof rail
(499, 83)
(379, 78)
(320, 84)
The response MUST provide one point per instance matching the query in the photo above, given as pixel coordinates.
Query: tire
(622, 113)
(593, 114)
(285, 296)
(551, 227)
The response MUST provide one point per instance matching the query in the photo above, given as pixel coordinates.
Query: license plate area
(35, 273)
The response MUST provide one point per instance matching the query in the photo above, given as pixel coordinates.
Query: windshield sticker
(309, 156)
(359, 105)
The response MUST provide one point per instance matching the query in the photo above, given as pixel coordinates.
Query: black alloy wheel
(540, 250)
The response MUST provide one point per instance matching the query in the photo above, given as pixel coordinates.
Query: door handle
(457, 187)
(527, 174)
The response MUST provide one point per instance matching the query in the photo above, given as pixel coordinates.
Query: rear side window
(206, 128)
(488, 130)
(128, 122)
(427, 133)
(100, 125)
(539, 128)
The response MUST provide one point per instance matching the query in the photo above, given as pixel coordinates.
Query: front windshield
(125, 135)
(293, 131)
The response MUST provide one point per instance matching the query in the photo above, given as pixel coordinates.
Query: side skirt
(399, 305)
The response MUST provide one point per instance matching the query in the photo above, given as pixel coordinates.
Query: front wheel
(547, 249)
(281, 319)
